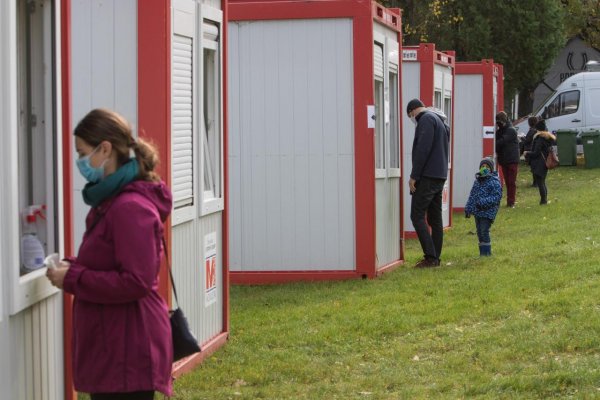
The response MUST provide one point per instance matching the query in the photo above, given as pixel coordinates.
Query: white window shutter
(378, 61)
(182, 103)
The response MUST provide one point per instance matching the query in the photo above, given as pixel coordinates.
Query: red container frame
(364, 13)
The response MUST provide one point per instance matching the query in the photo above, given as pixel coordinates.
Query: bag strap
(164, 242)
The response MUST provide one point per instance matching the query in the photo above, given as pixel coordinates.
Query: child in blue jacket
(484, 202)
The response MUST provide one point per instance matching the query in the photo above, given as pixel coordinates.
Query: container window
(379, 126)
(31, 129)
(37, 133)
(212, 132)
(448, 109)
(437, 99)
(394, 124)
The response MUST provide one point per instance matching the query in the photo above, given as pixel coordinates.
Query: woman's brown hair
(101, 124)
(532, 121)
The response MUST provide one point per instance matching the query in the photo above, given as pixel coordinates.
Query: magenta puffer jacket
(121, 330)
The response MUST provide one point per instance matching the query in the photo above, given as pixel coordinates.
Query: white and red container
(427, 74)
(315, 144)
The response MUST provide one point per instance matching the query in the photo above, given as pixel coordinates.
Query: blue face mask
(91, 174)
(483, 171)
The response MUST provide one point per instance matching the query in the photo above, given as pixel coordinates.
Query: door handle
(576, 120)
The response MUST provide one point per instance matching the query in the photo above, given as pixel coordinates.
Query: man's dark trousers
(427, 199)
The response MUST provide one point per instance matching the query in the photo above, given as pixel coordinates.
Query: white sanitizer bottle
(32, 251)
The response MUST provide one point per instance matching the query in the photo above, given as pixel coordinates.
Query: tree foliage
(523, 35)
(582, 18)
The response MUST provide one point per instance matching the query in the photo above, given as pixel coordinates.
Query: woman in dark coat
(528, 143)
(542, 141)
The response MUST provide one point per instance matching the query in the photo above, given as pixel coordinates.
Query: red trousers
(509, 171)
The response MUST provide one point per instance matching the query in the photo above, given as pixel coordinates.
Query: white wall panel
(468, 138)
(388, 210)
(33, 344)
(206, 320)
(104, 70)
(292, 149)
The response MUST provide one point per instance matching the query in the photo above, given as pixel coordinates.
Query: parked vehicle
(574, 105)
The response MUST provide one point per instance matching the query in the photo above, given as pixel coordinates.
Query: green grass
(523, 324)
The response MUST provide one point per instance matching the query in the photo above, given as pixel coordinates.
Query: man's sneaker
(427, 263)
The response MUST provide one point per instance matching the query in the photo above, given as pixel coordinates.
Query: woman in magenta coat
(121, 333)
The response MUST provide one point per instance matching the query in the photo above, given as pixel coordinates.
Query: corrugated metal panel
(182, 121)
(388, 220)
(468, 140)
(291, 152)
(33, 344)
(378, 60)
(206, 320)
(104, 70)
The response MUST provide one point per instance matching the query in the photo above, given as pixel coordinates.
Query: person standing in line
(483, 203)
(542, 141)
(429, 173)
(507, 150)
(529, 142)
(122, 345)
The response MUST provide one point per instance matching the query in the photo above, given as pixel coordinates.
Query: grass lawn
(524, 323)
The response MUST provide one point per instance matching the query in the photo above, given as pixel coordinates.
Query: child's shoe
(485, 249)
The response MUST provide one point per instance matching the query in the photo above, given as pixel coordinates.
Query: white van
(574, 105)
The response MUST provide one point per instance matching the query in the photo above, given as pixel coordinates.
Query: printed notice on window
(210, 268)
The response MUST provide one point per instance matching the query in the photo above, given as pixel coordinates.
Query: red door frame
(362, 13)
(67, 140)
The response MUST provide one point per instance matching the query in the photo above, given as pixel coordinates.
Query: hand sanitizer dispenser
(32, 250)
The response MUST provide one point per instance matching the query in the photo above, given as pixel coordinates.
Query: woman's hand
(57, 275)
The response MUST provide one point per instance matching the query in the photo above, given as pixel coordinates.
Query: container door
(387, 149)
(592, 107)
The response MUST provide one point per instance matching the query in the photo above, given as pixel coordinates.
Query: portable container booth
(477, 87)
(159, 63)
(427, 74)
(315, 141)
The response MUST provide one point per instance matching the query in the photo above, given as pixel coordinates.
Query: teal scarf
(95, 193)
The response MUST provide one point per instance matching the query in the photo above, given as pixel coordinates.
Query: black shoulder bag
(184, 341)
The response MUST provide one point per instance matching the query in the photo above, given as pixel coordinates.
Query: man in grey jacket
(427, 178)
